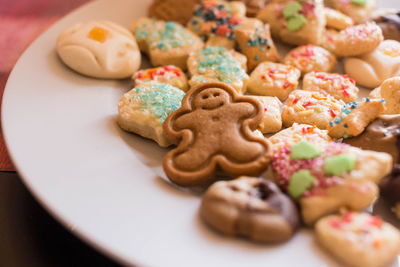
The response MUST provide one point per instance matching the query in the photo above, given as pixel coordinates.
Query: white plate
(105, 185)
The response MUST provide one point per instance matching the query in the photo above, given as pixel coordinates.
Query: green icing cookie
(337, 165)
(359, 2)
(299, 182)
(296, 23)
(304, 150)
(291, 10)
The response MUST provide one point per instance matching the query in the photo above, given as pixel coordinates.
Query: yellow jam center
(391, 52)
(98, 34)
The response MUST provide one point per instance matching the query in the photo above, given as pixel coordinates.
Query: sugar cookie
(358, 10)
(272, 114)
(337, 20)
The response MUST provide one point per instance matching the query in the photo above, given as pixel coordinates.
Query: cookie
(325, 178)
(390, 92)
(388, 19)
(257, 45)
(172, 10)
(359, 239)
(295, 22)
(144, 109)
(336, 19)
(99, 49)
(297, 133)
(272, 114)
(372, 69)
(216, 64)
(354, 117)
(273, 79)
(308, 58)
(358, 10)
(166, 74)
(382, 135)
(354, 40)
(250, 207)
(215, 132)
(310, 107)
(339, 86)
(166, 43)
(254, 6)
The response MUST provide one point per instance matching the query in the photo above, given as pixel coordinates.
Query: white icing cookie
(99, 49)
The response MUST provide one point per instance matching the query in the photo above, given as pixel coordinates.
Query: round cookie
(371, 69)
(358, 10)
(389, 21)
(100, 49)
(359, 239)
(308, 58)
(250, 207)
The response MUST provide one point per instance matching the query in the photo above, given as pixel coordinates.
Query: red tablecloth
(21, 21)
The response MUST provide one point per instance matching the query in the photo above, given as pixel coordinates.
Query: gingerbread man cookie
(215, 131)
(372, 69)
(250, 207)
(296, 22)
(359, 239)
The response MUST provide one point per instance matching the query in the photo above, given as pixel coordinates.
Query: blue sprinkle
(383, 101)
(338, 120)
(346, 125)
(194, 21)
(331, 123)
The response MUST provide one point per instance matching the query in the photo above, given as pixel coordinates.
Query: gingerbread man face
(215, 129)
(211, 99)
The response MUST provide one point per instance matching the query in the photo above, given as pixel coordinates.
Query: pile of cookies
(218, 86)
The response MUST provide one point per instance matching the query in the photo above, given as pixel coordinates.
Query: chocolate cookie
(215, 129)
(172, 10)
(250, 207)
(389, 21)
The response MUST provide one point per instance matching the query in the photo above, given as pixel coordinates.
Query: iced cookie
(308, 58)
(250, 207)
(325, 178)
(339, 86)
(215, 132)
(167, 43)
(389, 21)
(337, 20)
(382, 135)
(272, 114)
(359, 239)
(354, 117)
(390, 92)
(144, 109)
(297, 133)
(257, 45)
(273, 79)
(172, 10)
(100, 49)
(371, 69)
(309, 107)
(295, 22)
(166, 74)
(358, 10)
(216, 64)
(217, 18)
(354, 40)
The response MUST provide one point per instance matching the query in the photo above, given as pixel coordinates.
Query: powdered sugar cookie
(371, 69)
(308, 58)
(167, 43)
(273, 79)
(339, 86)
(358, 10)
(327, 177)
(272, 114)
(359, 239)
(354, 117)
(295, 22)
(166, 74)
(312, 108)
(216, 64)
(100, 49)
(143, 109)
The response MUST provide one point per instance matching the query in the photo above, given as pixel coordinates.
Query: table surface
(29, 236)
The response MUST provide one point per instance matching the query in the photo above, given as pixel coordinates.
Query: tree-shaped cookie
(215, 129)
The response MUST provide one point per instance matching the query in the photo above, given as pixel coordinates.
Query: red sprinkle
(286, 85)
(309, 103)
(265, 109)
(376, 221)
(296, 100)
(336, 224)
(332, 112)
(348, 217)
(235, 20)
(345, 93)
(263, 77)
(223, 30)
(140, 75)
(221, 14)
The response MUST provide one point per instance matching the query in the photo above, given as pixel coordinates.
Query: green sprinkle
(257, 58)
(337, 165)
(359, 2)
(292, 9)
(304, 150)
(299, 182)
(296, 23)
